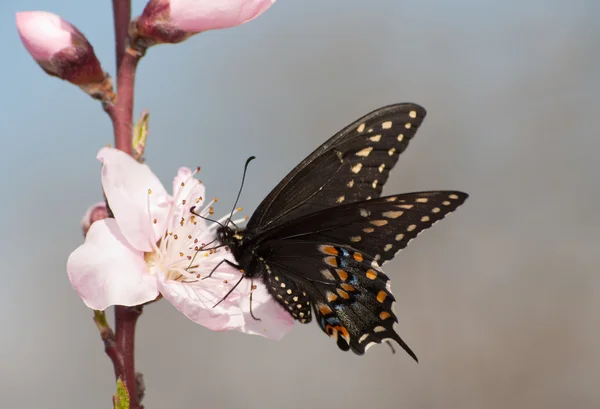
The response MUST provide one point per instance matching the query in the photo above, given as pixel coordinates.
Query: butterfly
(318, 240)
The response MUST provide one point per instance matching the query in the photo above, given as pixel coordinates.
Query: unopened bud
(96, 212)
(64, 52)
(172, 21)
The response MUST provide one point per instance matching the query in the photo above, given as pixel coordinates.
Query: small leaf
(140, 135)
(121, 399)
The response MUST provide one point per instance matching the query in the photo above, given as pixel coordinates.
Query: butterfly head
(234, 239)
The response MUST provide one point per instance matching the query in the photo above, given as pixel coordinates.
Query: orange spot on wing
(329, 250)
(371, 274)
(384, 315)
(343, 294)
(358, 257)
(331, 297)
(343, 274)
(343, 332)
(331, 331)
(381, 296)
(347, 287)
(324, 309)
(332, 261)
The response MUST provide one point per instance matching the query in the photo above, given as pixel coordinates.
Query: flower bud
(172, 21)
(63, 51)
(94, 213)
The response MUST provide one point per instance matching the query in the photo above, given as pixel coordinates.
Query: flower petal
(197, 300)
(274, 322)
(44, 34)
(127, 184)
(107, 271)
(196, 16)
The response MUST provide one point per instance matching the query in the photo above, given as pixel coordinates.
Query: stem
(125, 320)
(120, 345)
(121, 18)
(123, 114)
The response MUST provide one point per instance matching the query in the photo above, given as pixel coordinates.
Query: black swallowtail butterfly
(318, 239)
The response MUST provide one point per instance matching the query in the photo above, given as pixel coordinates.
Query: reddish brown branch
(121, 18)
(126, 319)
(120, 345)
(123, 115)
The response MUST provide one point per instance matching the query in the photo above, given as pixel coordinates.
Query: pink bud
(59, 48)
(96, 212)
(172, 21)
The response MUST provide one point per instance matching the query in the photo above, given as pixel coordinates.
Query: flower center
(183, 253)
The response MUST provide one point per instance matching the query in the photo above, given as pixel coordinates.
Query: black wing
(378, 227)
(347, 290)
(332, 257)
(353, 165)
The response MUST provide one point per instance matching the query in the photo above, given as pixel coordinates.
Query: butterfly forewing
(378, 227)
(351, 166)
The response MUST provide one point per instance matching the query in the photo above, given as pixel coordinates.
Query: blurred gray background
(500, 301)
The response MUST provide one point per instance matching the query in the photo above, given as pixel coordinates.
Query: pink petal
(184, 184)
(127, 184)
(44, 34)
(107, 271)
(197, 300)
(195, 16)
(274, 322)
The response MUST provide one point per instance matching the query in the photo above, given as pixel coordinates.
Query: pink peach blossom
(172, 21)
(153, 246)
(58, 47)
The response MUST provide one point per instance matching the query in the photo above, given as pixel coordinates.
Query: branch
(126, 319)
(121, 18)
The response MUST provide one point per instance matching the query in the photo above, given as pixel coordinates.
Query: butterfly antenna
(203, 217)
(250, 159)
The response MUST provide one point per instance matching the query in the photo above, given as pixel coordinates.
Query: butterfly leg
(252, 287)
(229, 292)
(221, 262)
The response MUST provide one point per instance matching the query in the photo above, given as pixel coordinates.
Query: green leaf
(140, 135)
(121, 399)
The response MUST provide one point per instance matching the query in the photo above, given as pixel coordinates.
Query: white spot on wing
(391, 214)
(361, 128)
(341, 199)
(422, 200)
(391, 151)
(327, 275)
(386, 125)
(388, 247)
(364, 152)
(356, 168)
(412, 114)
(375, 138)
(381, 167)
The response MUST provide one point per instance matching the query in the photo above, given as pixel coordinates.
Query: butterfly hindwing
(351, 166)
(350, 294)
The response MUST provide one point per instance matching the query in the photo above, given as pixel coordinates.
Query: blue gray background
(500, 301)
